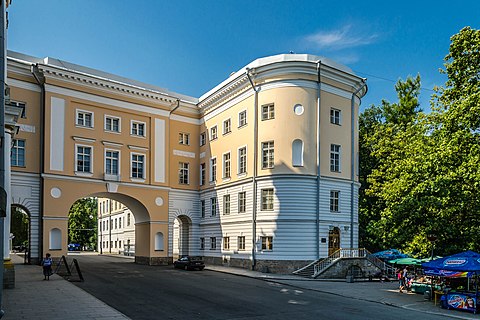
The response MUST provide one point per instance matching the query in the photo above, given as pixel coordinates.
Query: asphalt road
(161, 292)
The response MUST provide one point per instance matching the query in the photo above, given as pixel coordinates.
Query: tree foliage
(422, 170)
(82, 222)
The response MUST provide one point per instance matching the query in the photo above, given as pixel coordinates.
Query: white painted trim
(112, 144)
(159, 155)
(185, 154)
(105, 161)
(76, 157)
(246, 119)
(216, 134)
(86, 140)
(241, 174)
(228, 104)
(132, 147)
(137, 179)
(186, 119)
(211, 180)
(103, 100)
(144, 129)
(23, 85)
(77, 111)
(57, 134)
(224, 166)
(112, 117)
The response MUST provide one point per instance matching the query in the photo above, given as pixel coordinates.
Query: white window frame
(297, 153)
(335, 158)
(15, 149)
(226, 243)
(110, 117)
(203, 208)
(227, 165)
(213, 208)
(84, 112)
(266, 243)
(83, 173)
(268, 111)
(213, 177)
(241, 171)
(268, 154)
(227, 126)
(213, 243)
(213, 133)
(105, 162)
(19, 104)
(227, 200)
(241, 243)
(244, 195)
(137, 123)
(142, 179)
(336, 116)
(334, 201)
(243, 123)
(184, 138)
(203, 173)
(203, 138)
(183, 170)
(267, 199)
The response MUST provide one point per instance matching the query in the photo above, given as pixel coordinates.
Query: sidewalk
(33, 298)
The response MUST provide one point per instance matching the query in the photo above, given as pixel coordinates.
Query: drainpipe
(319, 84)
(40, 79)
(353, 156)
(255, 169)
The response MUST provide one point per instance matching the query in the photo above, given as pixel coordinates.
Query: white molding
(186, 119)
(185, 154)
(159, 156)
(112, 144)
(23, 85)
(105, 162)
(26, 128)
(105, 116)
(103, 100)
(87, 140)
(132, 147)
(230, 103)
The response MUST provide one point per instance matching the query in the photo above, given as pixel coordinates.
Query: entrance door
(333, 240)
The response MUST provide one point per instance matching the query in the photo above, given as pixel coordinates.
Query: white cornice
(80, 139)
(112, 144)
(137, 148)
(23, 85)
(185, 119)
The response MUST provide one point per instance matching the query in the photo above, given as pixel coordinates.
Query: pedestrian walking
(47, 266)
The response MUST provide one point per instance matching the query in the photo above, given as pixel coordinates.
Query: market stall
(464, 264)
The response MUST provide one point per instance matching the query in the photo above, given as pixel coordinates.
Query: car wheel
(186, 267)
(201, 268)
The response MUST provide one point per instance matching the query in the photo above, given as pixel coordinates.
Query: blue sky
(191, 46)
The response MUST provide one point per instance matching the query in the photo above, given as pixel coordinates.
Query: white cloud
(345, 37)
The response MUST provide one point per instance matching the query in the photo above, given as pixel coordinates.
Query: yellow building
(261, 171)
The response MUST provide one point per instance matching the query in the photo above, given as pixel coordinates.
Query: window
(202, 243)
(84, 159)
(226, 204)
(267, 243)
(184, 138)
(112, 124)
(227, 126)
(213, 133)
(297, 153)
(213, 243)
(84, 119)
(138, 164)
(183, 172)
(226, 243)
(116, 223)
(18, 153)
(334, 201)
(268, 111)
(202, 173)
(268, 151)
(242, 160)
(128, 219)
(202, 208)
(138, 129)
(335, 116)
(226, 166)
(242, 202)
(22, 105)
(335, 158)
(213, 169)
(242, 118)
(241, 243)
(203, 138)
(213, 202)
(267, 199)
(111, 162)
(159, 241)
(120, 223)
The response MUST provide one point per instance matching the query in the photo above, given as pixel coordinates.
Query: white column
(8, 179)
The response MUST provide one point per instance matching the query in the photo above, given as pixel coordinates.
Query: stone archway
(20, 228)
(182, 229)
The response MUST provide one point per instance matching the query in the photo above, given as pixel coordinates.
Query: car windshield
(195, 258)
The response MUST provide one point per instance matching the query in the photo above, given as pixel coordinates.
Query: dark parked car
(189, 263)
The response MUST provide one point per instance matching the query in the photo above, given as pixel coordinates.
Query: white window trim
(144, 167)
(15, 142)
(144, 128)
(184, 134)
(223, 126)
(224, 178)
(188, 173)
(339, 116)
(339, 158)
(77, 111)
(113, 117)
(211, 180)
(338, 199)
(216, 135)
(105, 162)
(243, 174)
(200, 139)
(81, 173)
(302, 153)
(246, 117)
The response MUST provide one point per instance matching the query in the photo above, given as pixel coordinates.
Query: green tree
(82, 222)
(19, 227)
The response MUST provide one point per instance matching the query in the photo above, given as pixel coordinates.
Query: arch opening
(182, 228)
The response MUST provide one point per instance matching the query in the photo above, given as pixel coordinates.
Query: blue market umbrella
(390, 254)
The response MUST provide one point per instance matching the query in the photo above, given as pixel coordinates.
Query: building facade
(259, 172)
(116, 228)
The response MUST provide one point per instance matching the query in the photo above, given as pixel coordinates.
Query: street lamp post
(432, 238)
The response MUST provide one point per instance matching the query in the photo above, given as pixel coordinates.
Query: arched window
(159, 241)
(55, 239)
(297, 153)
